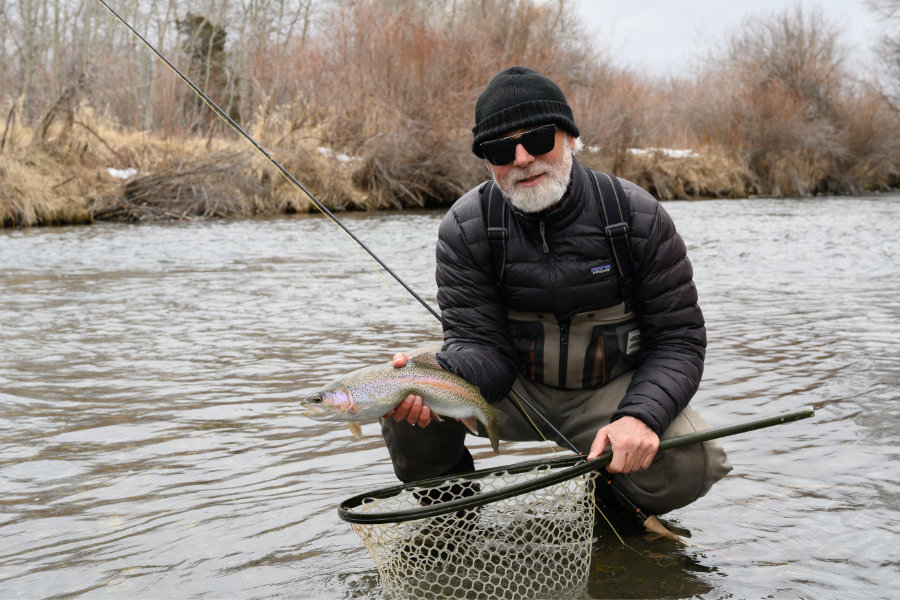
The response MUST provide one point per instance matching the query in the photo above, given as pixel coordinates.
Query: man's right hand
(412, 409)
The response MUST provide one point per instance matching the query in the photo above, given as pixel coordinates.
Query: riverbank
(369, 105)
(79, 170)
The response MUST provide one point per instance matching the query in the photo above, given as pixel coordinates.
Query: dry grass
(39, 184)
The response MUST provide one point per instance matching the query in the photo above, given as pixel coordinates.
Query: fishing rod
(324, 210)
(284, 172)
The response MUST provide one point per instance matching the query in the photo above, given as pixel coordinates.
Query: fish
(368, 393)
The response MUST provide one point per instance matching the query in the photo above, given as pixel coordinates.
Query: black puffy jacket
(477, 342)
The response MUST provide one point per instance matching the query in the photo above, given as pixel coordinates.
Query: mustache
(521, 173)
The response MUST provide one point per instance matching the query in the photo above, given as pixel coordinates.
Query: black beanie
(517, 98)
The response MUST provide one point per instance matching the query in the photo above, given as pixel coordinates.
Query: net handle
(576, 466)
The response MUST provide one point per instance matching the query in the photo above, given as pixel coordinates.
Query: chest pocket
(583, 352)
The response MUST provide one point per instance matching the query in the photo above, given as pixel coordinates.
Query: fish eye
(317, 399)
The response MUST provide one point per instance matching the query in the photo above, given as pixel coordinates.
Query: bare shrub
(398, 170)
(869, 131)
(212, 186)
(774, 102)
(888, 13)
(322, 172)
(403, 77)
(611, 107)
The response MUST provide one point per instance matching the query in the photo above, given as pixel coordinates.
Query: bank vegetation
(369, 105)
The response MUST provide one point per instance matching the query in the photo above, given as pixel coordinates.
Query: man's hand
(412, 409)
(633, 444)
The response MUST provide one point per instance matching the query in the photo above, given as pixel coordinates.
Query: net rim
(580, 466)
(572, 466)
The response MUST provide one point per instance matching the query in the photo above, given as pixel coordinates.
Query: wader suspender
(615, 216)
(497, 236)
(612, 211)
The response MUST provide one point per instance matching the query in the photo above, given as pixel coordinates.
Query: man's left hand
(412, 409)
(633, 444)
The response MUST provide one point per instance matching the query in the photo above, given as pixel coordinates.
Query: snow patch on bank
(669, 152)
(340, 157)
(121, 173)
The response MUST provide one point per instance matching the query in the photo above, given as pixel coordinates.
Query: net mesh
(534, 545)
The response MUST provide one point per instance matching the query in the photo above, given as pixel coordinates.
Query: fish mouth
(313, 405)
(312, 412)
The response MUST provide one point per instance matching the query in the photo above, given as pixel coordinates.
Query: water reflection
(628, 562)
(150, 447)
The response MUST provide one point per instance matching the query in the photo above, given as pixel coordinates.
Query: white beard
(542, 196)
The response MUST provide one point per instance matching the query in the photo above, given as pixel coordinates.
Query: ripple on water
(150, 443)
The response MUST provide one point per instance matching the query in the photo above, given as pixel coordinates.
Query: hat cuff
(535, 112)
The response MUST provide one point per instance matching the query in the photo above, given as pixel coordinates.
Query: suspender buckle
(616, 229)
(498, 233)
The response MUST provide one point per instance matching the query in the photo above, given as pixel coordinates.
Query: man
(611, 361)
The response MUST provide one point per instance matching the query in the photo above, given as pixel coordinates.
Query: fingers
(424, 417)
(633, 444)
(620, 462)
(599, 445)
(412, 410)
(400, 360)
(630, 458)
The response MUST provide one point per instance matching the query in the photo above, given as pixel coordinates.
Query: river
(150, 448)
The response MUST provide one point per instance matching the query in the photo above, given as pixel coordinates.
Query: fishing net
(524, 531)
(521, 532)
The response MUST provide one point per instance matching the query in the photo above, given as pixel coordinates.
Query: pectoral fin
(471, 424)
(355, 429)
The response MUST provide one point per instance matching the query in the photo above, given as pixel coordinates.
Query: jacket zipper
(563, 352)
(563, 327)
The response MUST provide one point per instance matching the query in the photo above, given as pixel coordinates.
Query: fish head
(328, 404)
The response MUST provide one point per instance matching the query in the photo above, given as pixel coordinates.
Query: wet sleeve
(477, 343)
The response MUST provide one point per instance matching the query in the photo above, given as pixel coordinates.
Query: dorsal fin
(426, 359)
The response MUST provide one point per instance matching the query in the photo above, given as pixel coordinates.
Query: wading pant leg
(676, 477)
(424, 452)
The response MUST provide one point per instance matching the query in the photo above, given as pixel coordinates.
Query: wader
(676, 477)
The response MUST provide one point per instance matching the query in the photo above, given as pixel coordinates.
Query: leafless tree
(888, 12)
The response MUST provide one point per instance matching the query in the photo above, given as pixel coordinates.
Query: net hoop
(571, 467)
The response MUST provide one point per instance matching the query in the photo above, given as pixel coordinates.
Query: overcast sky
(663, 36)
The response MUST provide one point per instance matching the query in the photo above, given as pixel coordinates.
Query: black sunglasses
(535, 141)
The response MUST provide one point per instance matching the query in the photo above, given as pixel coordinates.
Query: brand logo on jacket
(601, 269)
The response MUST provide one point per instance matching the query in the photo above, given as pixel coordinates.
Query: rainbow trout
(369, 393)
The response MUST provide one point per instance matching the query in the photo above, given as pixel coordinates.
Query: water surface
(149, 446)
